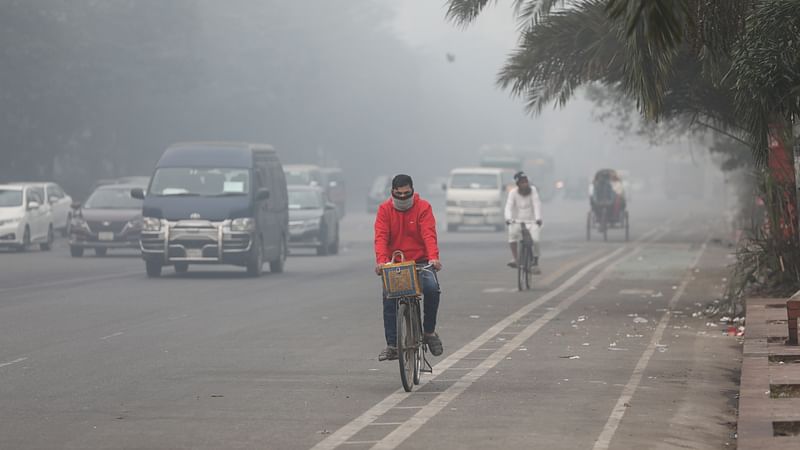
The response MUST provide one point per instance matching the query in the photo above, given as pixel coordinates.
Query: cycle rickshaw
(608, 207)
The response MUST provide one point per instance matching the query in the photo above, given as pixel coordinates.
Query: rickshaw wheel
(627, 227)
(589, 226)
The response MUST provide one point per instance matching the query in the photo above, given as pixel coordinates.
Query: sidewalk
(769, 394)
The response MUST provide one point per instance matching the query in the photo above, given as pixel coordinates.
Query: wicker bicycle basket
(400, 278)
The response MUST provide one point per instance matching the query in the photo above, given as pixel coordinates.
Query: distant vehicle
(215, 203)
(60, 204)
(304, 175)
(25, 219)
(335, 188)
(380, 191)
(109, 219)
(539, 166)
(134, 179)
(313, 221)
(476, 196)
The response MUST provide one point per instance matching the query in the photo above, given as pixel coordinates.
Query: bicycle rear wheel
(406, 350)
(522, 261)
(418, 344)
(528, 265)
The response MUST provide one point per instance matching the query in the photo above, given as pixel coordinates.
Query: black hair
(520, 176)
(402, 180)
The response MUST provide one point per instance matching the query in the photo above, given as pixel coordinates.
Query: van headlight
(243, 224)
(151, 224)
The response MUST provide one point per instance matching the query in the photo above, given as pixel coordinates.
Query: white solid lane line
(604, 440)
(19, 360)
(349, 430)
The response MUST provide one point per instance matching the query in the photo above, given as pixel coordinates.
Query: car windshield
(112, 199)
(474, 181)
(300, 177)
(9, 198)
(207, 182)
(304, 200)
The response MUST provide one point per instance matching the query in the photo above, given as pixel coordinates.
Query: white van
(477, 196)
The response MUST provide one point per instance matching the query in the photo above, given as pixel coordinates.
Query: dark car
(109, 219)
(380, 191)
(216, 203)
(313, 221)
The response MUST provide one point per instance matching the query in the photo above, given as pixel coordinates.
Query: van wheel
(277, 265)
(75, 252)
(153, 269)
(46, 246)
(256, 261)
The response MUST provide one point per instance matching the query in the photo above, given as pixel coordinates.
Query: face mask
(403, 204)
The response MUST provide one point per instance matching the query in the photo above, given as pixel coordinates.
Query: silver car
(313, 222)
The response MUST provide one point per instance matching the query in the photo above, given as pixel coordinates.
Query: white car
(24, 217)
(60, 203)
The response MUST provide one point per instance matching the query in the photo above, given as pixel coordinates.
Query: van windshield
(474, 181)
(207, 182)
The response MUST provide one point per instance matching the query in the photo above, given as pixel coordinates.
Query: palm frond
(662, 21)
(530, 12)
(464, 12)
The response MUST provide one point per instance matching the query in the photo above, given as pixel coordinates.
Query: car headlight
(243, 224)
(151, 224)
(79, 222)
(13, 221)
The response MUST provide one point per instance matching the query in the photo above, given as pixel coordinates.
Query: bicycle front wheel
(406, 348)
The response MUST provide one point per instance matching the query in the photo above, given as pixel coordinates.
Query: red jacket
(413, 232)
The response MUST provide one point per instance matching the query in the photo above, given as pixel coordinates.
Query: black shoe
(388, 354)
(512, 264)
(434, 344)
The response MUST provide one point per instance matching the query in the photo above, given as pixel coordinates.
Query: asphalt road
(604, 352)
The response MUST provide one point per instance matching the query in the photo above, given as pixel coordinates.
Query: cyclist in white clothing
(523, 205)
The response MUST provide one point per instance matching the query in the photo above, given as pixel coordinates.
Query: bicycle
(411, 349)
(525, 257)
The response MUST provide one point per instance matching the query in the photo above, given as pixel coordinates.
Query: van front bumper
(457, 215)
(196, 242)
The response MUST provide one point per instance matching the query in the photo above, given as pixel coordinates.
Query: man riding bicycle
(523, 206)
(405, 222)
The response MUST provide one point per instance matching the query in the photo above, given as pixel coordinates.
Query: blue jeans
(430, 292)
